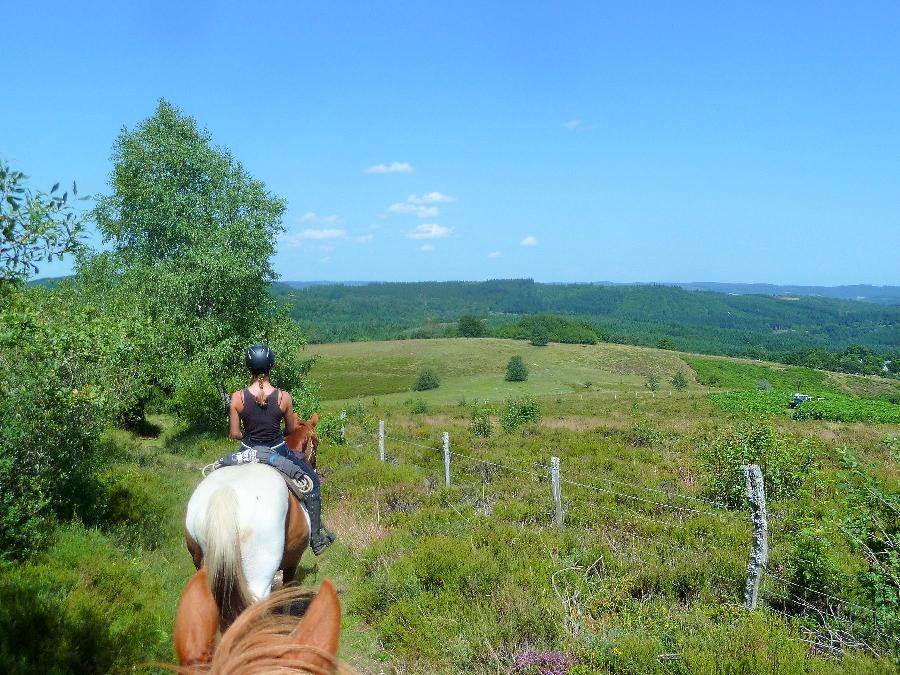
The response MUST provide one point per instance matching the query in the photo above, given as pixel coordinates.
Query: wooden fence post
(446, 437)
(557, 490)
(759, 553)
(381, 440)
(343, 427)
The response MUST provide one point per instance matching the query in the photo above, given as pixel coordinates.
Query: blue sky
(564, 141)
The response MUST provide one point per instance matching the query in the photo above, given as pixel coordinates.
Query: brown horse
(230, 511)
(263, 639)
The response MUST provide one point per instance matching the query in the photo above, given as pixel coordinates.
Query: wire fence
(832, 630)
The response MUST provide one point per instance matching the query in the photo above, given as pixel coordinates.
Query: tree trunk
(223, 394)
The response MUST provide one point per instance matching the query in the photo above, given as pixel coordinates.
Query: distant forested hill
(701, 321)
(884, 295)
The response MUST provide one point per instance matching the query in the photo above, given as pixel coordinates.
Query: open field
(474, 368)
(646, 576)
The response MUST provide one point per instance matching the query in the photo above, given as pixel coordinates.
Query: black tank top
(262, 426)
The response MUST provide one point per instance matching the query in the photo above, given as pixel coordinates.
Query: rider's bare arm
(287, 407)
(234, 416)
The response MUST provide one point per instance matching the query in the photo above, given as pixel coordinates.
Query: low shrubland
(646, 576)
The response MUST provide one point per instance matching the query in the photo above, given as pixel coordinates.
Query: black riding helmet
(259, 359)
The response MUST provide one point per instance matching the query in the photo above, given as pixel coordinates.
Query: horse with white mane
(242, 526)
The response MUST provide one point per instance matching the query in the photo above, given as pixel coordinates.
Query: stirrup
(322, 540)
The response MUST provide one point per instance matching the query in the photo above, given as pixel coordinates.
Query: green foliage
(49, 446)
(132, 506)
(516, 370)
(480, 422)
(82, 608)
(426, 379)
(329, 429)
(519, 411)
(785, 461)
(541, 329)
(652, 382)
(840, 408)
(751, 402)
(34, 226)
(192, 235)
(417, 406)
(732, 375)
(665, 343)
(540, 336)
(679, 381)
(857, 359)
(812, 569)
(471, 326)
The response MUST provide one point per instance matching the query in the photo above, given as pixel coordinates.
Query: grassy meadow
(646, 576)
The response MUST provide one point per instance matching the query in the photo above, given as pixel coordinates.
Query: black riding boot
(319, 537)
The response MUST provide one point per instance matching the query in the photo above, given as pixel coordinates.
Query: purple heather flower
(534, 662)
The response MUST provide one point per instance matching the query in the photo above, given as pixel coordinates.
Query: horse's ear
(320, 629)
(314, 420)
(197, 622)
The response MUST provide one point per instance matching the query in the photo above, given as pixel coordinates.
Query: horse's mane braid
(259, 641)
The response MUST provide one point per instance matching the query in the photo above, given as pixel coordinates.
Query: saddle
(299, 484)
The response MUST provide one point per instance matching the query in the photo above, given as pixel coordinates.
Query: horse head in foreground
(242, 526)
(264, 639)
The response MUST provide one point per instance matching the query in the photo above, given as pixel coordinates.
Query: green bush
(426, 379)
(811, 569)
(785, 461)
(481, 422)
(49, 452)
(329, 428)
(519, 411)
(516, 370)
(83, 607)
(679, 381)
(197, 401)
(417, 406)
(470, 326)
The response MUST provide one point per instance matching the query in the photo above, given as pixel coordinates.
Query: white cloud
(417, 210)
(313, 234)
(374, 226)
(426, 247)
(364, 238)
(530, 240)
(326, 259)
(572, 124)
(430, 231)
(494, 254)
(313, 217)
(393, 167)
(430, 198)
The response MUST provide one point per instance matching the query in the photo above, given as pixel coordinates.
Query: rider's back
(262, 425)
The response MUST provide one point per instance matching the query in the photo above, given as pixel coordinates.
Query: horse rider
(260, 412)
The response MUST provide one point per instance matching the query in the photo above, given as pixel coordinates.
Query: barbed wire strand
(788, 596)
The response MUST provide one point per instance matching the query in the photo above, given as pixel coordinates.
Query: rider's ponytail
(261, 400)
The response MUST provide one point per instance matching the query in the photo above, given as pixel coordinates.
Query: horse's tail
(222, 555)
